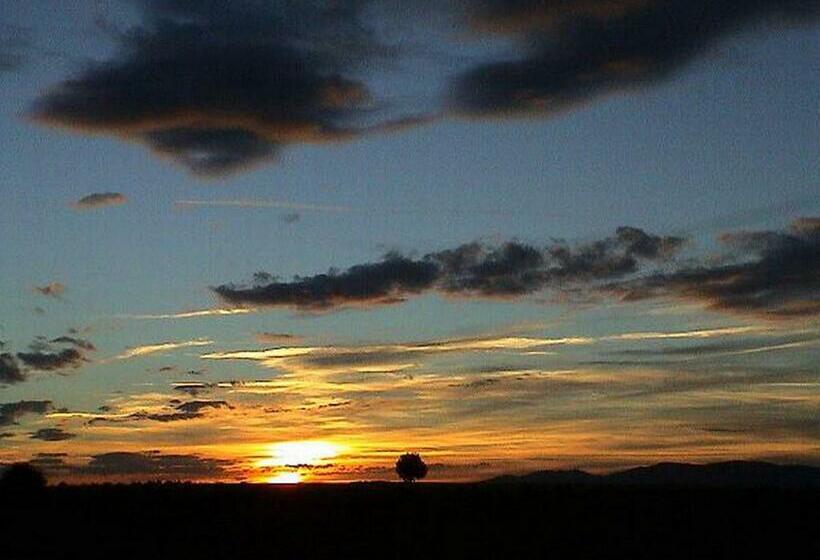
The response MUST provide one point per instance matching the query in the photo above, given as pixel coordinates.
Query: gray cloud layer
(10, 412)
(10, 371)
(578, 50)
(775, 273)
(52, 434)
(471, 270)
(47, 361)
(221, 86)
(770, 273)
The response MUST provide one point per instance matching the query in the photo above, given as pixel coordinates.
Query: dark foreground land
(505, 521)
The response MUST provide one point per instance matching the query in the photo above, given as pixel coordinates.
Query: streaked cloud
(383, 358)
(194, 314)
(277, 338)
(148, 349)
(256, 203)
(52, 434)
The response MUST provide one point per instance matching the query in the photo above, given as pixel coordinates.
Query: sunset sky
(280, 240)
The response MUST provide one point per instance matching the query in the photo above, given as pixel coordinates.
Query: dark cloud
(219, 86)
(52, 434)
(45, 361)
(10, 371)
(54, 289)
(770, 273)
(575, 51)
(145, 465)
(152, 464)
(10, 412)
(78, 342)
(278, 338)
(99, 200)
(195, 407)
(384, 282)
(513, 269)
(179, 412)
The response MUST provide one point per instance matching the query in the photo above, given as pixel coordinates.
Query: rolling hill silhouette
(729, 473)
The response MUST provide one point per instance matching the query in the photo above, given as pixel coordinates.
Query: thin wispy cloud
(253, 203)
(148, 349)
(193, 314)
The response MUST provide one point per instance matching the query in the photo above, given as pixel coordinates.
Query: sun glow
(285, 478)
(292, 453)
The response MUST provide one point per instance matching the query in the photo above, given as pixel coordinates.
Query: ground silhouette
(396, 521)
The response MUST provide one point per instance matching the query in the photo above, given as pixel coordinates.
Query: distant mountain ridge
(728, 473)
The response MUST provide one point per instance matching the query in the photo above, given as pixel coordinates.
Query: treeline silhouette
(394, 520)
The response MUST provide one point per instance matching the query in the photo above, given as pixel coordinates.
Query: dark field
(178, 521)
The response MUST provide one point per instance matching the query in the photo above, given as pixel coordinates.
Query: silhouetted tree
(410, 467)
(22, 481)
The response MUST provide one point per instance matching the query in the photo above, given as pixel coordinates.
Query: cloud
(52, 434)
(52, 361)
(54, 289)
(471, 270)
(179, 412)
(10, 412)
(277, 338)
(10, 371)
(255, 203)
(575, 51)
(385, 358)
(78, 342)
(709, 350)
(139, 351)
(99, 200)
(219, 87)
(194, 314)
(154, 465)
(769, 273)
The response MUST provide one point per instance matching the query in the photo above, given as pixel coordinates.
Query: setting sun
(285, 478)
(292, 453)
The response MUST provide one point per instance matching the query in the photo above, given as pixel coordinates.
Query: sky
(281, 241)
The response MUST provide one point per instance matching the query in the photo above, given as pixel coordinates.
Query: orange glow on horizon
(291, 453)
(285, 478)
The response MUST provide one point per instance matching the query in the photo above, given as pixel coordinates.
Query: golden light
(290, 453)
(285, 478)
